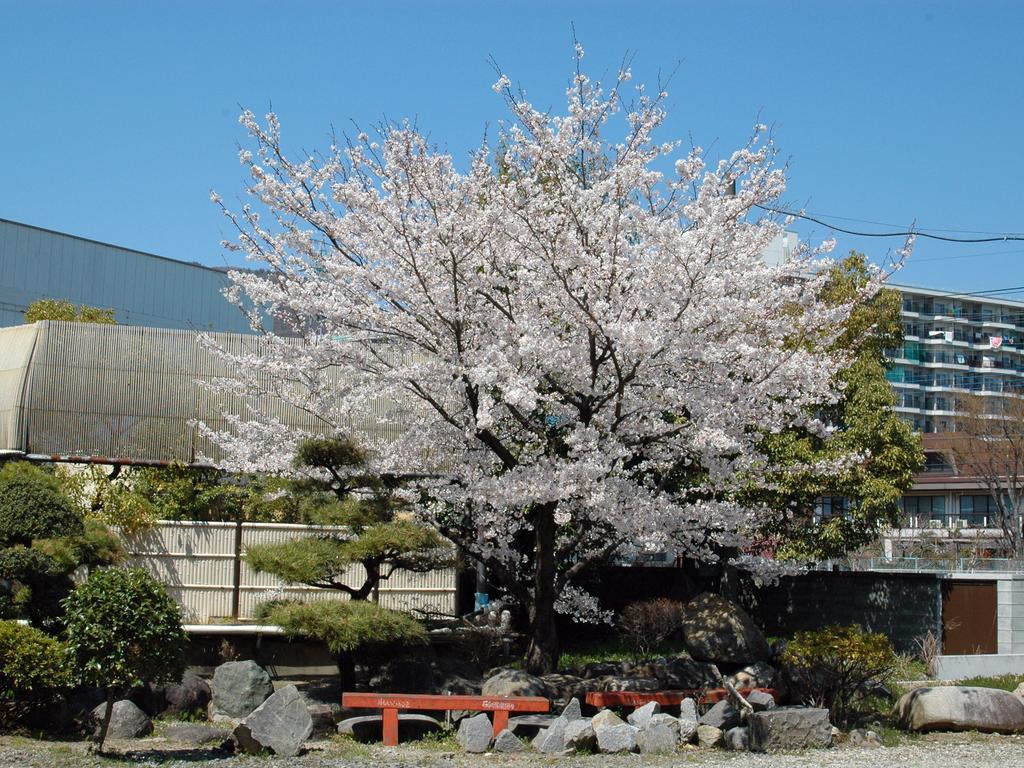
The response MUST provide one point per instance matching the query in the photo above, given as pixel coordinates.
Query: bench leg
(500, 721)
(390, 727)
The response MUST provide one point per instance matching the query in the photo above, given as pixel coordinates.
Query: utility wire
(909, 233)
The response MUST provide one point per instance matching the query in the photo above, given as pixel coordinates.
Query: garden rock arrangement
(961, 708)
(238, 687)
(281, 725)
(127, 721)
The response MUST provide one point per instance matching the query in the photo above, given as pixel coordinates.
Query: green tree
(380, 534)
(872, 455)
(123, 630)
(61, 309)
(43, 539)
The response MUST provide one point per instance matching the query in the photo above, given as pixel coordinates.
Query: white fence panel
(198, 563)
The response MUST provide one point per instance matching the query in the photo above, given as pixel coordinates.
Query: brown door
(968, 617)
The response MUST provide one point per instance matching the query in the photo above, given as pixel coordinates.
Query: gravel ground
(932, 751)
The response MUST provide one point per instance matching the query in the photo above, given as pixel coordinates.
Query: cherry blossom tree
(576, 335)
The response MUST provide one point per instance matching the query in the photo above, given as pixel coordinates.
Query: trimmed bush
(33, 505)
(34, 671)
(837, 667)
(646, 625)
(123, 630)
(345, 626)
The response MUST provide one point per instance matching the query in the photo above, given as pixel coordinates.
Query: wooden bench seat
(665, 698)
(391, 703)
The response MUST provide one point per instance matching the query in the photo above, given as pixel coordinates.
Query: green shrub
(123, 630)
(33, 505)
(837, 667)
(647, 624)
(33, 671)
(345, 626)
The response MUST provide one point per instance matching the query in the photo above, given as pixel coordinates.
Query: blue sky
(117, 118)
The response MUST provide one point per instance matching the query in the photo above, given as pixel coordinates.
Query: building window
(975, 510)
(918, 511)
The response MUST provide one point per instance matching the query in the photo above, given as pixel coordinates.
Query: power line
(890, 224)
(944, 238)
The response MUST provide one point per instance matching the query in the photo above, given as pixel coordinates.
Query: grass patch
(909, 667)
(349, 747)
(442, 741)
(1003, 682)
(612, 649)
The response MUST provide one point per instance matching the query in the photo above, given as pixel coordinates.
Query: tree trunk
(543, 652)
(106, 720)
(347, 672)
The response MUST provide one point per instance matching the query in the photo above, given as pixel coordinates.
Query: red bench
(665, 698)
(391, 703)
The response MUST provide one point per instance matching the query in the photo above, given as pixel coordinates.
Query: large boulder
(281, 725)
(192, 694)
(715, 629)
(514, 682)
(789, 728)
(237, 688)
(684, 672)
(127, 721)
(961, 708)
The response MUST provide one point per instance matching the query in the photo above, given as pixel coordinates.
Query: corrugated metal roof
(81, 391)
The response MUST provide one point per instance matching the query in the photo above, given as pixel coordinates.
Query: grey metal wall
(141, 288)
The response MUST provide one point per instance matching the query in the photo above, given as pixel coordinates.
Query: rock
(788, 728)
(551, 741)
(370, 728)
(281, 724)
(737, 739)
(668, 721)
(860, 738)
(601, 669)
(237, 688)
(961, 708)
(456, 684)
(527, 726)
(514, 682)
(657, 738)
(475, 733)
(640, 716)
(579, 735)
(322, 716)
(573, 710)
(127, 721)
(606, 719)
(760, 674)
(638, 684)
(760, 700)
(563, 688)
(722, 715)
(688, 721)
(192, 694)
(194, 733)
(708, 736)
(616, 738)
(506, 741)
(684, 672)
(716, 629)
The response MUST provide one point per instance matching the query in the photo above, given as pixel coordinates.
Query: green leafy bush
(647, 624)
(837, 667)
(344, 626)
(33, 505)
(123, 630)
(33, 671)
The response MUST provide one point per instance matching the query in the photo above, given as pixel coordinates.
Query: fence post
(236, 581)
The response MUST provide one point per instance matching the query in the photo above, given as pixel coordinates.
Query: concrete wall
(902, 606)
(1010, 615)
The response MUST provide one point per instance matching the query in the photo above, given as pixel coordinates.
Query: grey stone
(708, 736)
(640, 716)
(600, 669)
(760, 674)
(579, 734)
(370, 728)
(859, 737)
(506, 741)
(636, 684)
(737, 739)
(190, 695)
(127, 721)
(563, 688)
(718, 630)
(788, 728)
(668, 721)
(605, 719)
(237, 688)
(760, 700)
(194, 733)
(616, 738)
(961, 708)
(684, 672)
(722, 715)
(657, 738)
(572, 710)
(551, 741)
(281, 724)
(475, 733)
(514, 682)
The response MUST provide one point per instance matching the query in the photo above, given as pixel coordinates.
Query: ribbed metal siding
(195, 561)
